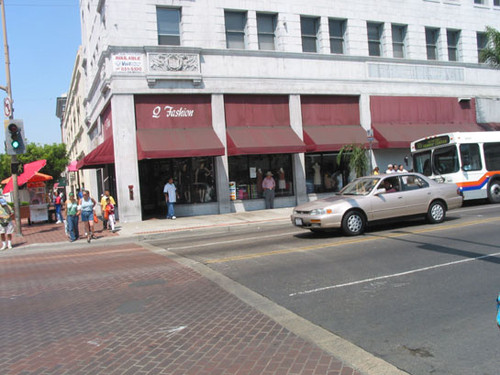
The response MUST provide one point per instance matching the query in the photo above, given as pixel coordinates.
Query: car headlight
(321, 211)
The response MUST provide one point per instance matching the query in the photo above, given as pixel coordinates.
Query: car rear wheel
(436, 212)
(494, 191)
(353, 223)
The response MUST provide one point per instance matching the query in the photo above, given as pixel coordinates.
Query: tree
(55, 154)
(358, 160)
(491, 54)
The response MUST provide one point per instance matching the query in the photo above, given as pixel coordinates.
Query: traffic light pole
(8, 89)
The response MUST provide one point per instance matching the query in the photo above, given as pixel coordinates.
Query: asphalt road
(419, 296)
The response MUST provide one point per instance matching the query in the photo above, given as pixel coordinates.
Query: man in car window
(388, 187)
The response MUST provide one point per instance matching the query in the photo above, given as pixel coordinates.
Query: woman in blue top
(86, 207)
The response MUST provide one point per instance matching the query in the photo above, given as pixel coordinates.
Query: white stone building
(216, 93)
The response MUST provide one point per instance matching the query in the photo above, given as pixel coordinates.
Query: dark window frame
(235, 35)
(262, 35)
(309, 38)
(337, 39)
(374, 32)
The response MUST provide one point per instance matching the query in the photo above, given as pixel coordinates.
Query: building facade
(216, 93)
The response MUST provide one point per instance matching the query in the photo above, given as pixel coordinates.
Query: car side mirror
(380, 191)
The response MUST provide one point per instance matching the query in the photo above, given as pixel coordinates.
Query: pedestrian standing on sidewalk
(109, 214)
(268, 185)
(6, 224)
(72, 213)
(86, 206)
(103, 203)
(170, 192)
(58, 201)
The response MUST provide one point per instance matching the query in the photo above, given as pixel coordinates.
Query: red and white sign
(7, 107)
(128, 63)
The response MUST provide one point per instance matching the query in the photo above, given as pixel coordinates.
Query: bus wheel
(494, 191)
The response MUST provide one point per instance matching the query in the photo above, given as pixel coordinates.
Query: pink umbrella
(30, 171)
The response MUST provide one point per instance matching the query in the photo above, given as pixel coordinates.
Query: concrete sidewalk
(45, 233)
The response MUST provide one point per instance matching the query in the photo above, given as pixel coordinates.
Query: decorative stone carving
(174, 62)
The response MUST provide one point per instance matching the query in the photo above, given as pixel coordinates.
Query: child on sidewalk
(109, 214)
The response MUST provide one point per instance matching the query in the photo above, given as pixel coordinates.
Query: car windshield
(360, 186)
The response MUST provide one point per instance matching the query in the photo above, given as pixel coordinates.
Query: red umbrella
(30, 171)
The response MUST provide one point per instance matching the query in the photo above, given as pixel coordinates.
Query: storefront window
(193, 177)
(248, 171)
(324, 174)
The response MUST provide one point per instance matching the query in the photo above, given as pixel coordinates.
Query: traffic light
(14, 137)
(16, 168)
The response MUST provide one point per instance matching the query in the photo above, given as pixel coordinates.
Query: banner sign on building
(128, 63)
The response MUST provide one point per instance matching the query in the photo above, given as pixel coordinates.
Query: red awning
(397, 121)
(401, 135)
(176, 143)
(263, 140)
(98, 157)
(333, 138)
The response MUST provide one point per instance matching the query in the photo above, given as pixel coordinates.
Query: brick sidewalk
(125, 310)
(52, 232)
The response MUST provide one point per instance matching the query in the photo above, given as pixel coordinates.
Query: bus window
(471, 158)
(492, 156)
(445, 160)
(422, 163)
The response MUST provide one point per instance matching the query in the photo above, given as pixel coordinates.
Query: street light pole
(8, 89)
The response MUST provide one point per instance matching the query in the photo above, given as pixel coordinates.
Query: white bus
(469, 159)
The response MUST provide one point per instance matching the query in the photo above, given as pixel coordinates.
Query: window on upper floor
(309, 27)
(453, 37)
(235, 29)
(168, 21)
(374, 31)
(482, 43)
(399, 41)
(479, 1)
(266, 30)
(337, 29)
(496, 3)
(431, 42)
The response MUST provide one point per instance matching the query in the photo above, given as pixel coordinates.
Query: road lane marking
(232, 241)
(393, 275)
(347, 242)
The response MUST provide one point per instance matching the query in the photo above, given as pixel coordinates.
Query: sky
(43, 38)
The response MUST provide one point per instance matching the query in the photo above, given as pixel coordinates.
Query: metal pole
(15, 188)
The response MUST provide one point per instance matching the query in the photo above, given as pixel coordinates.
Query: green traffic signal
(14, 136)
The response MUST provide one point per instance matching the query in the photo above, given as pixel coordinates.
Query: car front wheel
(436, 212)
(353, 223)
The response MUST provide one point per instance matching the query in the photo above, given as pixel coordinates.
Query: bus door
(472, 169)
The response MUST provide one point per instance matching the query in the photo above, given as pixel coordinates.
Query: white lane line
(233, 241)
(391, 276)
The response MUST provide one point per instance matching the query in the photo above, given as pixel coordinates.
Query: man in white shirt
(390, 169)
(170, 192)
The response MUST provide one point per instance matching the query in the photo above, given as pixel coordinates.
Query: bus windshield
(422, 163)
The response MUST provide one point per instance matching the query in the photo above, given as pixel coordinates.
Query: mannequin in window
(185, 183)
(260, 177)
(200, 178)
(281, 180)
(317, 176)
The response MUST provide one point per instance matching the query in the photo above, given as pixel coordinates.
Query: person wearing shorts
(7, 226)
(86, 208)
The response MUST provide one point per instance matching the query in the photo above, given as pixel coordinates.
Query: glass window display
(248, 172)
(324, 174)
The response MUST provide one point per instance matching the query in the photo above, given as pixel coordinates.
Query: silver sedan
(380, 197)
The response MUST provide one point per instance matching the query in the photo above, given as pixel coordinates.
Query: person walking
(104, 202)
(72, 213)
(269, 185)
(170, 192)
(86, 206)
(6, 224)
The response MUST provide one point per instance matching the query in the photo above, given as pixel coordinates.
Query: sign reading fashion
(170, 111)
(128, 63)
